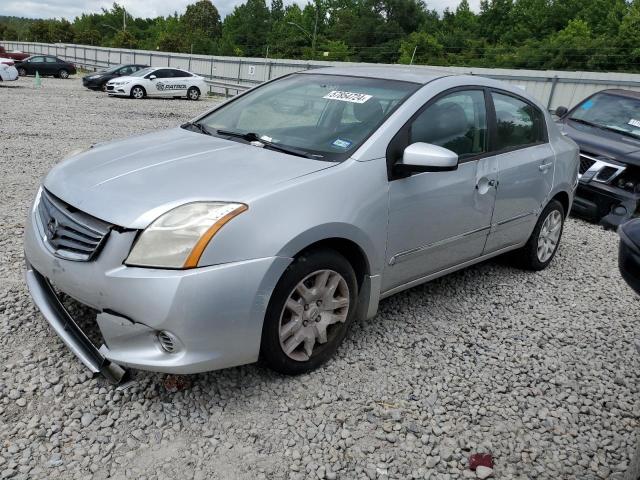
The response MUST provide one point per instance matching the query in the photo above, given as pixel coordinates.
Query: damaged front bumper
(609, 205)
(212, 316)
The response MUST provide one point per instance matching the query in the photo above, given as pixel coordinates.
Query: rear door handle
(545, 166)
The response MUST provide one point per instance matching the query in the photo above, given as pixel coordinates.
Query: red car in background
(15, 55)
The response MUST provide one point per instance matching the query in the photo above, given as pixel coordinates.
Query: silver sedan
(263, 228)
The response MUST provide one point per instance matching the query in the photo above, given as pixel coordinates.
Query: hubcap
(549, 235)
(311, 313)
(194, 94)
(137, 93)
(64, 74)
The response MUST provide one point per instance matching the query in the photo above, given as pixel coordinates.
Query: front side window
(37, 59)
(611, 112)
(180, 74)
(518, 122)
(162, 73)
(125, 71)
(456, 121)
(326, 116)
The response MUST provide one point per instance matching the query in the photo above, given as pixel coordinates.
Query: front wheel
(22, 72)
(138, 92)
(193, 93)
(545, 239)
(309, 312)
(64, 74)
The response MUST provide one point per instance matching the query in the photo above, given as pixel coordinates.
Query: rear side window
(456, 121)
(518, 122)
(52, 60)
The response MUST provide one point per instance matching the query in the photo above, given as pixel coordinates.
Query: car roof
(621, 92)
(390, 72)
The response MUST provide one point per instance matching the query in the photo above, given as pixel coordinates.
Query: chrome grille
(585, 164)
(69, 233)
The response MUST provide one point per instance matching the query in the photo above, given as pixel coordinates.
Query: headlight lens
(93, 77)
(178, 238)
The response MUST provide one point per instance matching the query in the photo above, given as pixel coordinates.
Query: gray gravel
(538, 369)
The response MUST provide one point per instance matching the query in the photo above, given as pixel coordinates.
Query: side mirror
(425, 157)
(561, 111)
(152, 77)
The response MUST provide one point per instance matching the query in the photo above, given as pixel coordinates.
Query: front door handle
(545, 166)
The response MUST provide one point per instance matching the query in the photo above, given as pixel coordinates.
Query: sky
(142, 8)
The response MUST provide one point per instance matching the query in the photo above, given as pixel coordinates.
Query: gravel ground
(538, 369)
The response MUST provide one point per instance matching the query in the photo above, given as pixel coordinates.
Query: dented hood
(131, 182)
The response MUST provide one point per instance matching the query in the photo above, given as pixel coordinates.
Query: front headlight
(178, 238)
(93, 77)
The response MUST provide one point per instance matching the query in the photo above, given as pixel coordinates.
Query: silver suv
(265, 226)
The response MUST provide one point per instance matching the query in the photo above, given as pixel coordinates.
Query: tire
(62, 73)
(22, 72)
(537, 253)
(311, 316)
(138, 92)
(193, 93)
(103, 87)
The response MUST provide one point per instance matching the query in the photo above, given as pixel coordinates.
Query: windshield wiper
(604, 127)
(254, 137)
(196, 126)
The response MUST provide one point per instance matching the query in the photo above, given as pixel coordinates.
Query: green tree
(428, 51)
(203, 16)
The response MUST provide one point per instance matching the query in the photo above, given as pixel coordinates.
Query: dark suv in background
(98, 80)
(606, 127)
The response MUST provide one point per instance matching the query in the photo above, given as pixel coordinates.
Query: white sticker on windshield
(634, 122)
(347, 96)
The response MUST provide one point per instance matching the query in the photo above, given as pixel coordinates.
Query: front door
(525, 170)
(35, 64)
(441, 219)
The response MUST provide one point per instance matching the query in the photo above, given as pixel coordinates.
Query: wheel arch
(564, 199)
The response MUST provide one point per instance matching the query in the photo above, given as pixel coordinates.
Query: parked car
(46, 65)
(629, 264)
(98, 80)
(8, 70)
(158, 82)
(606, 126)
(13, 54)
(254, 230)
(629, 253)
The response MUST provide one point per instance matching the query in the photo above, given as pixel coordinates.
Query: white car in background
(158, 82)
(8, 70)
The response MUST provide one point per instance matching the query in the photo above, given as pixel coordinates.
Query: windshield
(326, 116)
(612, 112)
(142, 73)
(112, 69)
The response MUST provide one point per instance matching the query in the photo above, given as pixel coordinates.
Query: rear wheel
(309, 312)
(22, 72)
(62, 73)
(138, 92)
(193, 93)
(544, 240)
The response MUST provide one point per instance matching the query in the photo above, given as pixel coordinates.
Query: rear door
(525, 169)
(52, 65)
(180, 82)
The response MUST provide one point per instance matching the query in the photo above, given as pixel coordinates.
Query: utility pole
(413, 55)
(315, 32)
(124, 20)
